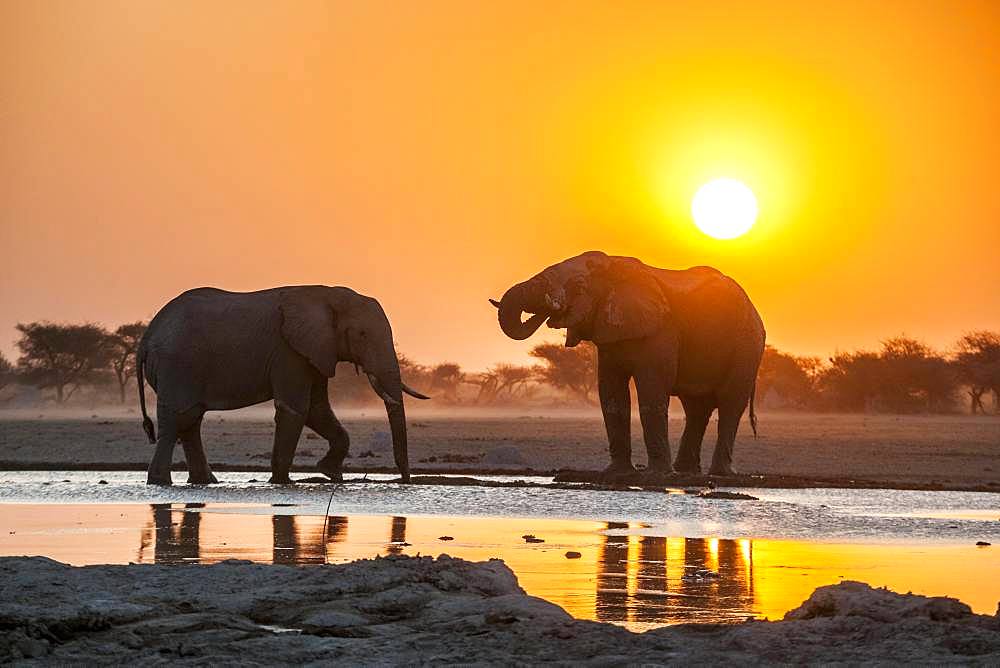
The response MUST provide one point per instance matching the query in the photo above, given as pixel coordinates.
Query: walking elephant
(693, 334)
(209, 349)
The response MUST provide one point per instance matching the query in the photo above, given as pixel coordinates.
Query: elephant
(691, 333)
(209, 349)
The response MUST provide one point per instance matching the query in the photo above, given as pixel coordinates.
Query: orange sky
(430, 154)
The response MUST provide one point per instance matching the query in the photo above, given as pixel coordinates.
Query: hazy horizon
(151, 148)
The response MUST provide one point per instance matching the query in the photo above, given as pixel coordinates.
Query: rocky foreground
(406, 610)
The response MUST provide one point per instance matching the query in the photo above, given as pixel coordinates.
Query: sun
(724, 208)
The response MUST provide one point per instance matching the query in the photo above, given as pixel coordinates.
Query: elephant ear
(309, 325)
(632, 306)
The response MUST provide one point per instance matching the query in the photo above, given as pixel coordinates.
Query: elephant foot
(687, 469)
(618, 470)
(209, 479)
(721, 471)
(159, 480)
(331, 471)
(658, 471)
(281, 480)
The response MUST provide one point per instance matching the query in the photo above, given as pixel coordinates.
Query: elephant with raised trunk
(692, 333)
(209, 349)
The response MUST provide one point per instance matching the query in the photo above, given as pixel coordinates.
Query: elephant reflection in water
(176, 537)
(173, 542)
(306, 545)
(652, 579)
(397, 536)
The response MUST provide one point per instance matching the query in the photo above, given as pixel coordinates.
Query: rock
(573, 555)
(983, 543)
(531, 539)
(857, 599)
(446, 538)
(325, 620)
(419, 610)
(505, 455)
(102, 482)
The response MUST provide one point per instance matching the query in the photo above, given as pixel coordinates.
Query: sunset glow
(431, 154)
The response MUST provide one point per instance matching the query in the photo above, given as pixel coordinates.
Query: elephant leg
(616, 404)
(166, 438)
(322, 421)
(652, 388)
(697, 411)
(199, 471)
(287, 429)
(730, 413)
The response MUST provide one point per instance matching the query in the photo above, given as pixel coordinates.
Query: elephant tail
(753, 414)
(140, 380)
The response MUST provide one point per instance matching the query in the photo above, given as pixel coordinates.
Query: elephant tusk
(495, 303)
(379, 391)
(413, 393)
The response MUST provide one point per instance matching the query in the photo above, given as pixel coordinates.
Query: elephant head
(330, 325)
(594, 296)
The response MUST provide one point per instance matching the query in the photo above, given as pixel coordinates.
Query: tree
(445, 380)
(413, 374)
(977, 363)
(502, 382)
(905, 376)
(7, 372)
(62, 357)
(790, 377)
(915, 378)
(850, 381)
(570, 369)
(122, 344)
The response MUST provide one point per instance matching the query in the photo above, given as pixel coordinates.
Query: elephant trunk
(515, 301)
(390, 388)
(397, 423)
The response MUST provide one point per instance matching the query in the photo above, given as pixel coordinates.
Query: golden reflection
(621, 576)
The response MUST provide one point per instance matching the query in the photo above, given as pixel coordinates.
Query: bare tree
(445, 380)
(570, 369)
(977, 361)
(502, 382)
(62, 357)
(122, 344)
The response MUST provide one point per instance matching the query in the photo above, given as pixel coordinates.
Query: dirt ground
(421, 610)
(952, 452)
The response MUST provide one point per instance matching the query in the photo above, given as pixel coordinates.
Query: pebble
(573, 555)
(446, 538)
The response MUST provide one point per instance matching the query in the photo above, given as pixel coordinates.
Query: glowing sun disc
(724, 208)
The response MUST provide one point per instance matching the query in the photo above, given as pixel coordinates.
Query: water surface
(646, 558)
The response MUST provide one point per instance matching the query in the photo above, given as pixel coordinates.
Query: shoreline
(562, 479)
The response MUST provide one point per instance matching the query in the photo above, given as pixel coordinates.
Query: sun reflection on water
(622, 575)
